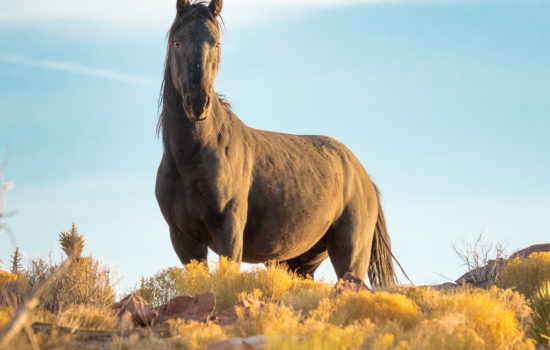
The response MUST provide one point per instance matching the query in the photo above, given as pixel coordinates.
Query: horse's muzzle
(196, 107)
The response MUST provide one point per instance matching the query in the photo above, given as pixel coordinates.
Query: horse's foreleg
(187, 248)
(229, 232)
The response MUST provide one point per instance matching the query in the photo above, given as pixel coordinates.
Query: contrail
(79, 69)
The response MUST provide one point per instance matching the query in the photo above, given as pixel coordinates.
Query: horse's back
(300, 185)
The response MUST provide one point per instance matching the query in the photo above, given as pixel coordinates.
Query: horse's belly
(284, 232)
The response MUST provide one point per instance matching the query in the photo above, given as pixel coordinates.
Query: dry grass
(227, 282)
(300, 314)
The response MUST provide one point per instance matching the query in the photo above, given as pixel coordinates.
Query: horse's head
(194, 55)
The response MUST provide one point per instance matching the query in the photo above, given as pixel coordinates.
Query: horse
(252, 195)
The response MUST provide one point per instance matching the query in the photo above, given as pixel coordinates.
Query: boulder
(482, 276)
(537, 248)
(198, 308)
(250, 343)
(139, 309)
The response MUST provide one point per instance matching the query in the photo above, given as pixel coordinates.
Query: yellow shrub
(274, 281)
(228, 282)
(470, 320)
(450, 332)
(271, 319)
(195, 279)
(379, 307)
(526, 275)
(425, 297)
(5, 316)
(6, 277)
(511, 300)
(162, 286)
(322, 336)
(305, 300)
(387, 341)
(224, 280)
(324, 311)
(195, 335)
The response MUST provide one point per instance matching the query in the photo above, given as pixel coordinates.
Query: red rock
(229, 315)
(537, 248)
(251, 343)
(198, 308)
(138, 308)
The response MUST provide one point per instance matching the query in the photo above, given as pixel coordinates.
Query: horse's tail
(381, 272)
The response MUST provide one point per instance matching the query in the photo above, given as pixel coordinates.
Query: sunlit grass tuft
(379, 308)
(195, 335)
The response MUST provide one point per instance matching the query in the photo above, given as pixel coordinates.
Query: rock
(351, 283)
(198, 308)
(444, 286)
(138, 308)
(229, 315)
(250, 343)
(537, 248)
(483, 276)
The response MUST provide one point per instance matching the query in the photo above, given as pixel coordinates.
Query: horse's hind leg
(307, 263)
(349, 242)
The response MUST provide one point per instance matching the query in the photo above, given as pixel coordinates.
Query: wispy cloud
(123, 12)
(79, 69)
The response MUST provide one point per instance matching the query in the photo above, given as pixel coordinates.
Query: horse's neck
(183, 138)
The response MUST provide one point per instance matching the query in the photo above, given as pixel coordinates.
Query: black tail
(381, 272)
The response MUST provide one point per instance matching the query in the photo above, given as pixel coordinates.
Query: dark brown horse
(254, 195)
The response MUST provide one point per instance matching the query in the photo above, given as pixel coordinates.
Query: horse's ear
(215, 7)
(181, 5)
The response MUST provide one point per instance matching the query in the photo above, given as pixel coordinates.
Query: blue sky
(446, 103)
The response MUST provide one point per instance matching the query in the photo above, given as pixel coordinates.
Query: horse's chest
(205, 190)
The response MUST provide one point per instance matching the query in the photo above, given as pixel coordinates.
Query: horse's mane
(169, 95)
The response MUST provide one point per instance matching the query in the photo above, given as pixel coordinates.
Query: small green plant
(540, 324)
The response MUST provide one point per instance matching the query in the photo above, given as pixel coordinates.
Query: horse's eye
(176, 43)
